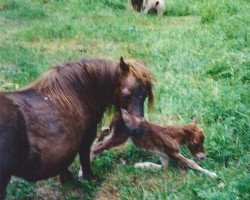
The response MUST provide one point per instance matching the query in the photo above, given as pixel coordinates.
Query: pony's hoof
(88, 177)
(80, 173)
(71, 182)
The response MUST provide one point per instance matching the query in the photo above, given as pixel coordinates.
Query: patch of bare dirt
(107, 192)
(47, 192)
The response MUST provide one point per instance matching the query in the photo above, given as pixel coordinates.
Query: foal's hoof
(213, 175)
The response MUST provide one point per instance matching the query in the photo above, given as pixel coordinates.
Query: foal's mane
(64, 83)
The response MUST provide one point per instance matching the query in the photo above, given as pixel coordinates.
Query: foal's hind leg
(4, 180)
(114, 139)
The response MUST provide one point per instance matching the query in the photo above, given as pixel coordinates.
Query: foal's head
(135, 85)
(195, 140)
(133, 123)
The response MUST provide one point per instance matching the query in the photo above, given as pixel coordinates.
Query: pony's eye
(125, 95)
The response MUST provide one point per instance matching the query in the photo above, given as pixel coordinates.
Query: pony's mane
(63, 83)
(143, 76)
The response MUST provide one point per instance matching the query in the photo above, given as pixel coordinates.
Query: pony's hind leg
(4, 180)
(14, 145)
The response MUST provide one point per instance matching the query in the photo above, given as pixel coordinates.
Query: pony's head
(135, 85)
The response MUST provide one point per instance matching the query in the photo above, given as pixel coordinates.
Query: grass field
(199, 55)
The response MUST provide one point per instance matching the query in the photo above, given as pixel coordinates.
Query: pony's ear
(124, 67)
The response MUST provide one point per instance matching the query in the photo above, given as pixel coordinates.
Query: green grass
(200, 58)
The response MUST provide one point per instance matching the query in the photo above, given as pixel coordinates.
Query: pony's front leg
(65, 176)
(84, 154)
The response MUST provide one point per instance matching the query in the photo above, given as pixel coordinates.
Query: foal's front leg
(190, 163)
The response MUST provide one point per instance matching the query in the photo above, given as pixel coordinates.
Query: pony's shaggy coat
(45, 125)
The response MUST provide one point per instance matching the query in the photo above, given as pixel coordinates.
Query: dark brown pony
(45, 125)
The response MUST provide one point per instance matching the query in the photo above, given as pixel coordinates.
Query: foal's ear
(127, 118)
(124, 67)
(142, 62)
(195, 120)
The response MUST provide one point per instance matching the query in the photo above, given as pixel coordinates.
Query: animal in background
(136, 4)
(153, 7)
(148, 6)
(162, 140)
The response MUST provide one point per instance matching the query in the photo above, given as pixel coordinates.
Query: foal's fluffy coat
(164, 141)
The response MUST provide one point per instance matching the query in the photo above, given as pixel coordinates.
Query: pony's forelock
(143, 76)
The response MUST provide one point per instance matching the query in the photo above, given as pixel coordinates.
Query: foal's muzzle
(200, 156)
